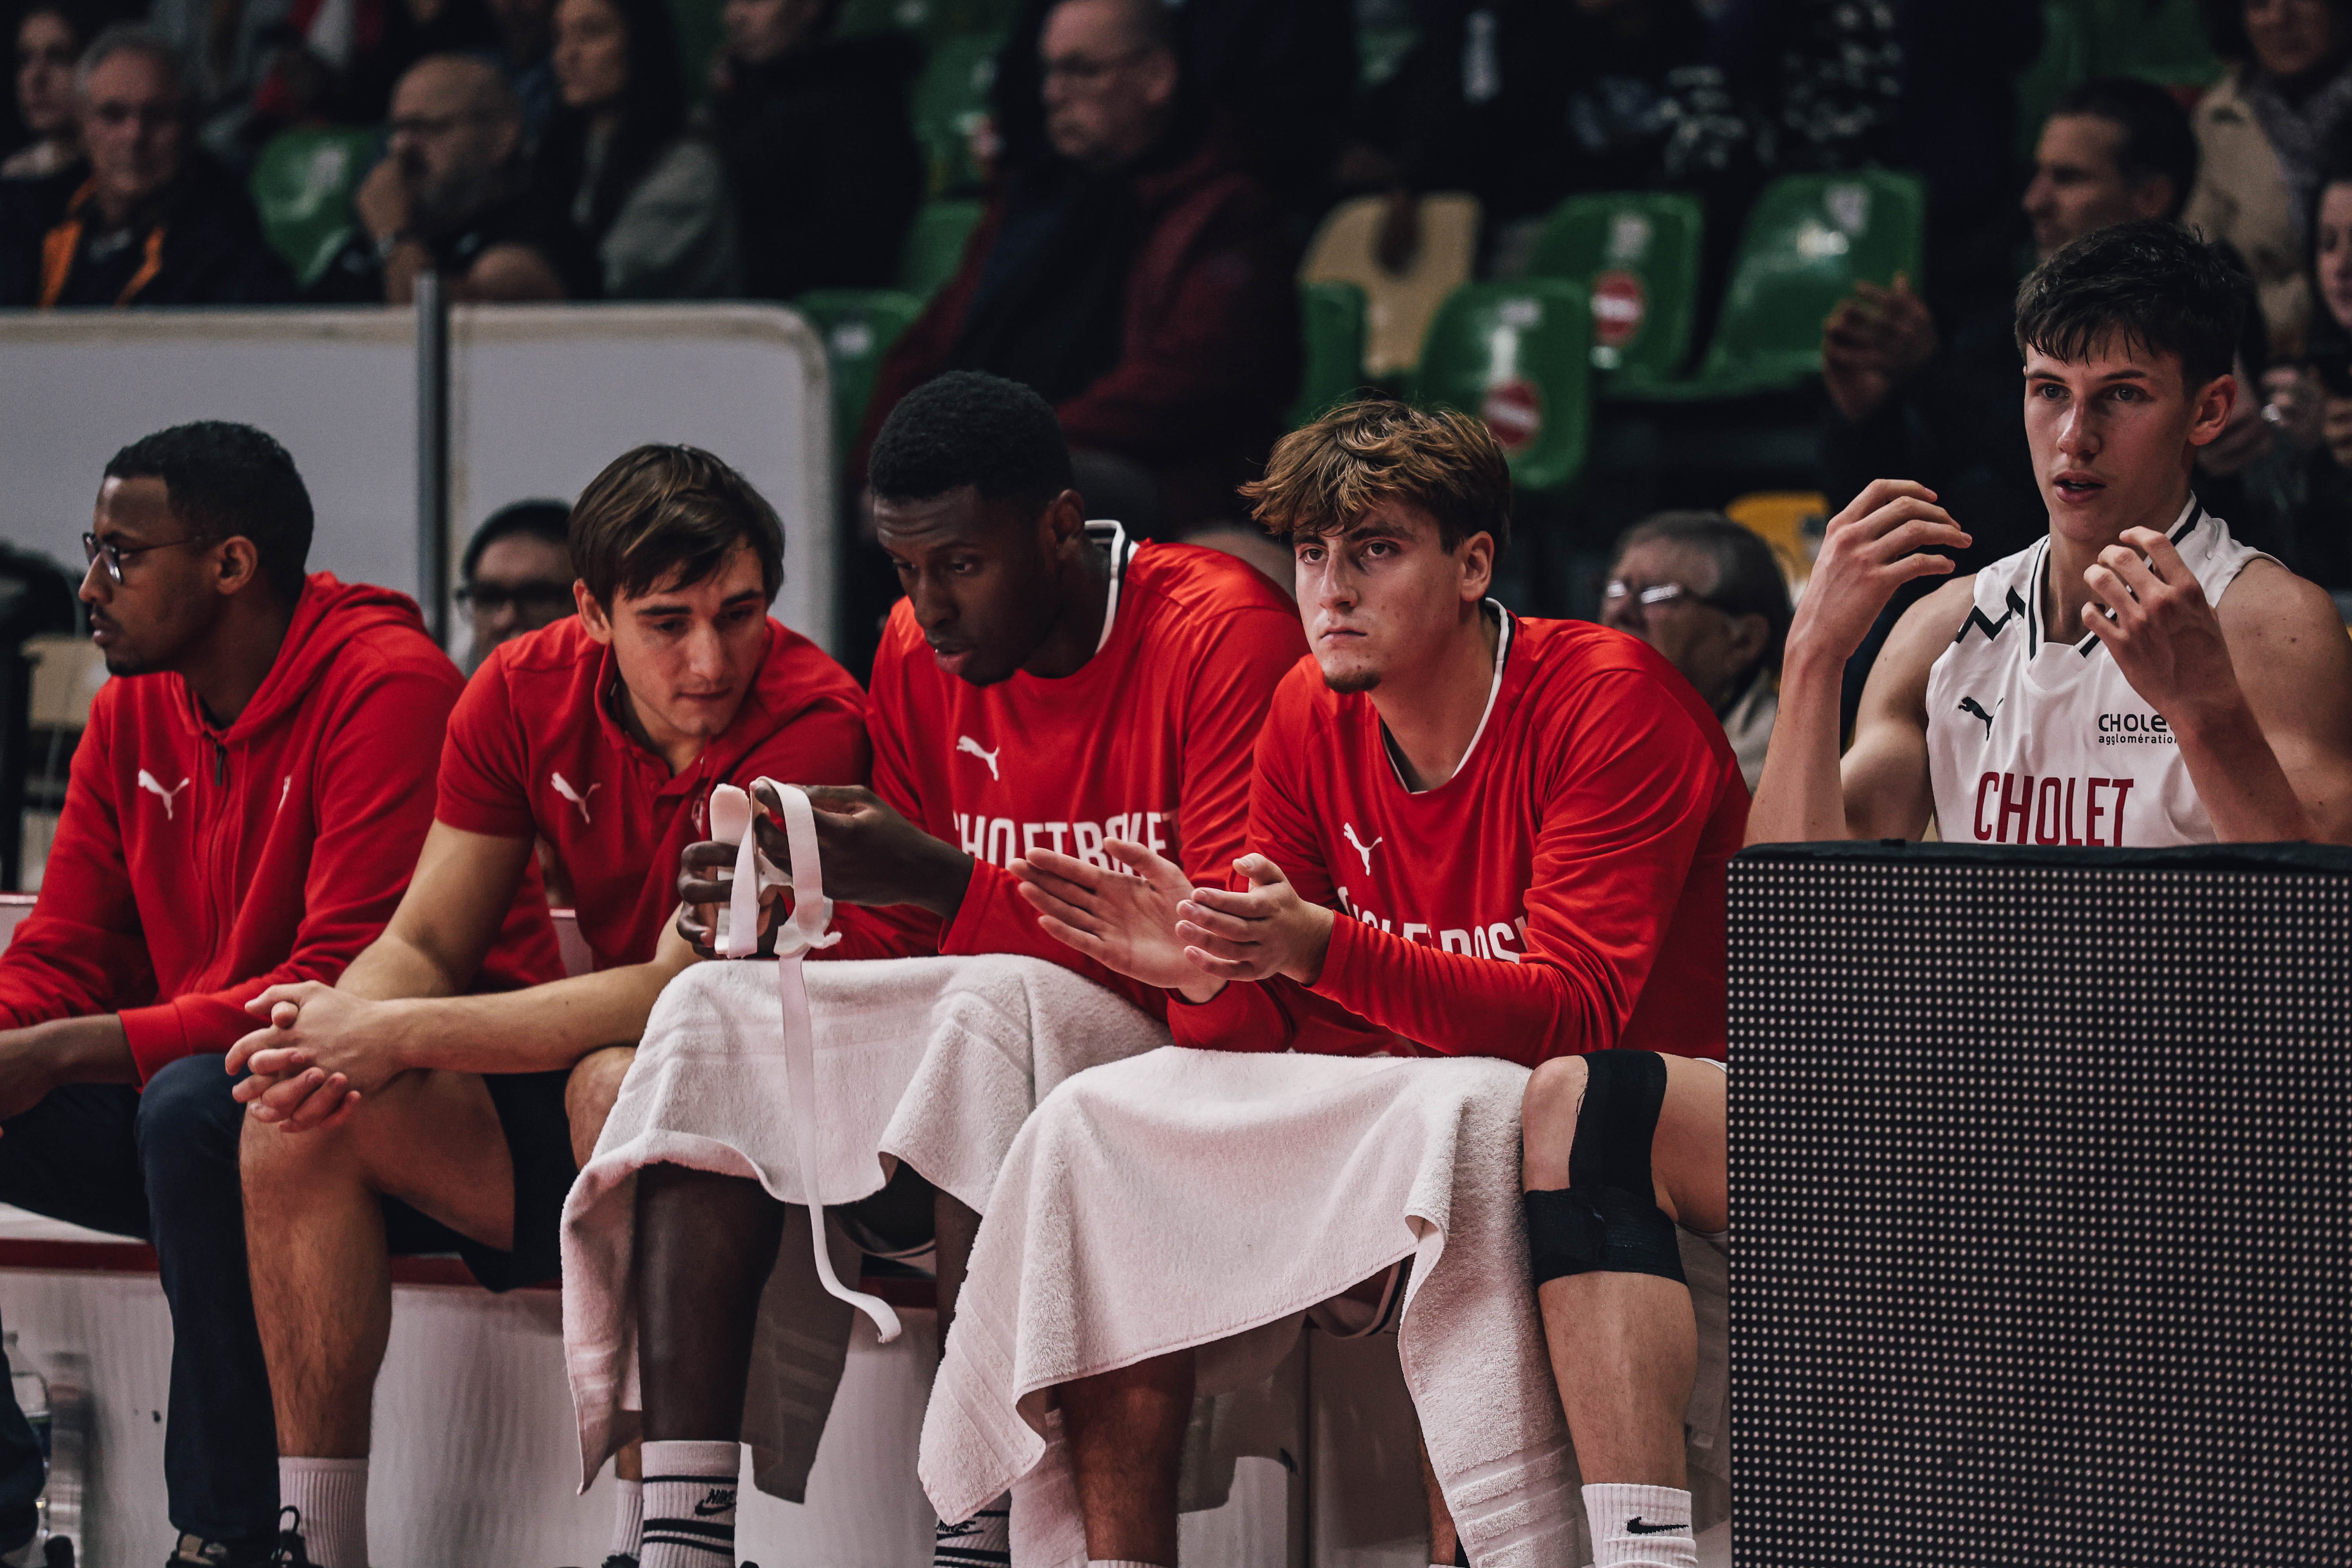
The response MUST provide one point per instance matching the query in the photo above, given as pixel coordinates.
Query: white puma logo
(147, 782)
(564, 789)
(1363, 848)
(966, 743)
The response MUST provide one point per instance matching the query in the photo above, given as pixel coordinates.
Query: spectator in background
(820, 154)
(340, 60)
(1710, 597)
(1138, 279)
(517, 575)
(2264, 129)
(649, 199)
(1278, 76)
(1523, 102)
(155, 222)
(1938, 401)
(228, 50)
(2309, 478)
(452, 195)
(49, 40)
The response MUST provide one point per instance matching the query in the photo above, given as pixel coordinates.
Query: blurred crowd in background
(1116, 200)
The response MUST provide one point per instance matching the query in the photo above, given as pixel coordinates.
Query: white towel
(937, 1061)
(1188, 1196)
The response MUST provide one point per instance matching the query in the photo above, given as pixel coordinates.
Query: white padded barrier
(541, 397)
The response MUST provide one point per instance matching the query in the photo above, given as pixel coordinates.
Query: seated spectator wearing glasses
(49, 40)
(452, 195)
(155, 221)
(648, 199)
(517, 575)
(1707, 595)
(1136, 278)
(819, 150)
(300, 719)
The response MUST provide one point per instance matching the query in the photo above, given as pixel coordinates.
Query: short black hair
(2166, 290)
(1747, 577)
(549, 521)
(2158, 139)
(230, 481)
(968, 428)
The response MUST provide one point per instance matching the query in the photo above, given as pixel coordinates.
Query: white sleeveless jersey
(2033, 738)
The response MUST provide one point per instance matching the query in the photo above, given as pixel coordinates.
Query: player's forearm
(543, 1029)
(393, 966)
(1800, 799)
(2244, 790)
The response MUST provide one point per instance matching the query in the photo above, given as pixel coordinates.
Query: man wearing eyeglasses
(517, 575)
(451, 197)
(1136, 278)
(1707, 595)
(246, 803)
(152, 220)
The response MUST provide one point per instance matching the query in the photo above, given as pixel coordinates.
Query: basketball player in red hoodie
(1471, 833)
(244, 808)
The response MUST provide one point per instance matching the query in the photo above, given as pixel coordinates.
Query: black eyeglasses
(489, 598)
(94, 549)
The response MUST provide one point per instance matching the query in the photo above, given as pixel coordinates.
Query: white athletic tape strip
(812, 911)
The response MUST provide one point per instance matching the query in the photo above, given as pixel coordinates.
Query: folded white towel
(937, 1061)
(1187, 1197)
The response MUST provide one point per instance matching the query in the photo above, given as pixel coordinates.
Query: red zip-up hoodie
(194, 866)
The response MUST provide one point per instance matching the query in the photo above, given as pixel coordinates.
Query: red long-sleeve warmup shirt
(196, 866)
(533, 748)
(1148, 740)
(1562, 893)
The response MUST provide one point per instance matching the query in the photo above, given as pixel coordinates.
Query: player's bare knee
(591, 1093)
(1547, 1121)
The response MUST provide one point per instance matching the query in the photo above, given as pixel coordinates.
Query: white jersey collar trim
(1113, 538)
(1493, 690)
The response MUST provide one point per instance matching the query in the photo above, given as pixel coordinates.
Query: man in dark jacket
(814, 131)
(1136, 278)
(153, 221)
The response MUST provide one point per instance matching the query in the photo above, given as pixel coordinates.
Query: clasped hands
(1150, 923)
(320, 1053)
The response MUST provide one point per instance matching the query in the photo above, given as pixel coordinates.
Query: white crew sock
(628, 1516)
(330, 1501)
(983, 1541)
(689, 1505)
(1640, 1527)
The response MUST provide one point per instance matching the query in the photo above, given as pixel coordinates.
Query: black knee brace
(1607, 1219)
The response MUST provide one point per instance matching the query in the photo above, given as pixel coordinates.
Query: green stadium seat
(1637, 254)
(1331, 322)
(1519, 355)
(1808, 238)
(935, 246)
(951, 101)
(2162, 41)
(302, 185)
(858, 326)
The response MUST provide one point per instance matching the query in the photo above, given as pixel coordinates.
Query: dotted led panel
(2039, 1236)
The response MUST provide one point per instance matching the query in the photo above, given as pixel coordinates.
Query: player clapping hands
(1150, 923)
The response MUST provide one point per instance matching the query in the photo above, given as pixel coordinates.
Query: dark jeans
(163, 1166)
